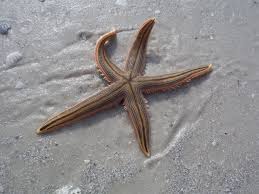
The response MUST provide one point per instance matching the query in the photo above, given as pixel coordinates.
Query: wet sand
(204, 135)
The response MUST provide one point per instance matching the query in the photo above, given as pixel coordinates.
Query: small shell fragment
(13, 58)
(4, 27)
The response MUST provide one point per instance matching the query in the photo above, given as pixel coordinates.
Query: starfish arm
(108, 69)
(151, 84)
(104, 99)
(135, 60)
(135, 106)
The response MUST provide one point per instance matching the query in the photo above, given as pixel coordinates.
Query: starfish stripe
(110, 71)
(151, 84)
(104, 99)
(135, 60)
(135, 106)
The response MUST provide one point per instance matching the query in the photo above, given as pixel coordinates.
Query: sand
(204, 136)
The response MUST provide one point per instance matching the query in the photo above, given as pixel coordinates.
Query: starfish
(126, 86)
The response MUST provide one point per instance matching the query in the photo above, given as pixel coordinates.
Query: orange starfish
(127, 86)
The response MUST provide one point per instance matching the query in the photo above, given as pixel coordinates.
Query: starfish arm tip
(147, 154)
(41, 130)
(146, 150)
(38, 131)
(114, 30)
(209, 68)
(151, 20)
